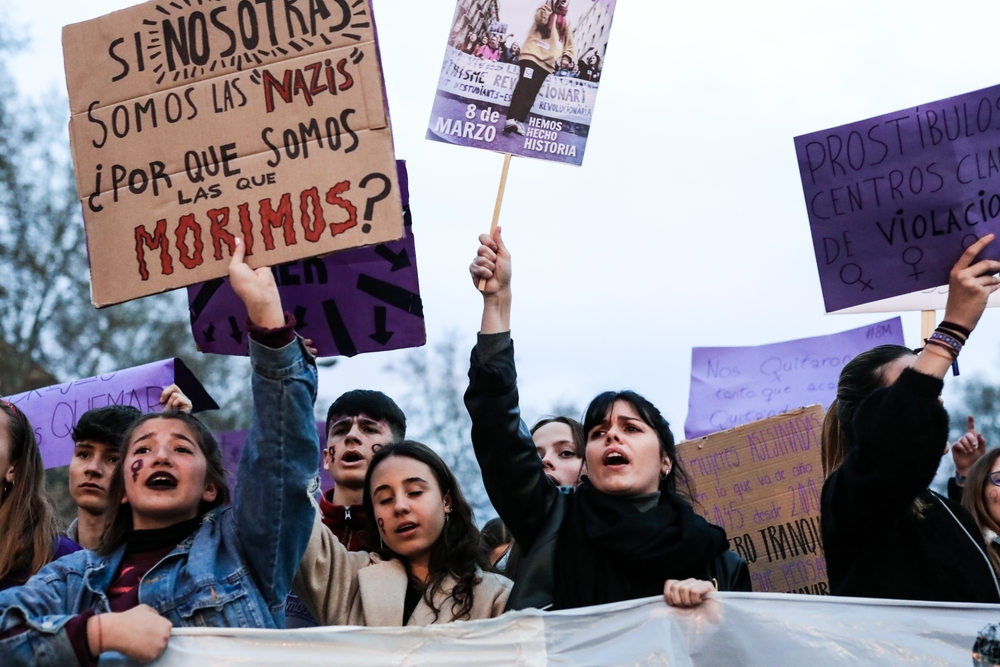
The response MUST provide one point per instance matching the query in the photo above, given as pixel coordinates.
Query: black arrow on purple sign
(398, 261)
(210, 334)
(380, 336)
(341, 336)
(300, 317)
(205, 294)
(235, 332)
(393, 295)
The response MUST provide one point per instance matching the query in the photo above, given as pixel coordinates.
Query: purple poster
(53, 411)
(231, 443)
(894, 200)
(731, 386)
(521, 76)
(350, 302)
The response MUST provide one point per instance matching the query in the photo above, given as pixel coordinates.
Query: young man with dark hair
(357, 425)
(97, 437)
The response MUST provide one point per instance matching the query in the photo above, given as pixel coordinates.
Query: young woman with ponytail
(885, 534)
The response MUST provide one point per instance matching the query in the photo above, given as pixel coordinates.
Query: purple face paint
(136, 467)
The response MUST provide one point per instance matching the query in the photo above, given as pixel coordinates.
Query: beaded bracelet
(945, 339)
(949, 349)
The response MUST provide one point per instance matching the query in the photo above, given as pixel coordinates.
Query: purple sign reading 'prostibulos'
(350, 302)
(731, 386)
(894, 200)
(53, 411)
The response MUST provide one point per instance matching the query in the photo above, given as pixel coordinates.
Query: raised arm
(274, 513)
(901, 430)
(512, 471)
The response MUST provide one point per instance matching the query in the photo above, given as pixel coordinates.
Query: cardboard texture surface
(894, 200)
(482, 88)
(54, 411)
(762, 483)
(347, 303)
(196, 122)
(736, 385)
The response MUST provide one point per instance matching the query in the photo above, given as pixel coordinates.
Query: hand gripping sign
(894, 200)
(194, 123)
(350, 302)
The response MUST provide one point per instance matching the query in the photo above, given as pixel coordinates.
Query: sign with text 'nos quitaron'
(194, 123)
(736, 385)
(894, 200)
(54, 411)
(762, 482)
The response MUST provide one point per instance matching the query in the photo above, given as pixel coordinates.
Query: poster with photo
(521, 76)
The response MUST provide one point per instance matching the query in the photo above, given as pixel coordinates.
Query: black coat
(885, 534)
(531, 506)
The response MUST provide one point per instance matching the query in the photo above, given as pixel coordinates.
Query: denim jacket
(236, 569)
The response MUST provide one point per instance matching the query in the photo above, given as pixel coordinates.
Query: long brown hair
(27, 522)
(860, 377)
(119, 517)
(459, 551)
(974, 501)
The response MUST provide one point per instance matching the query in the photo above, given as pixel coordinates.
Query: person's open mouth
(614, 458)
(406, 529)
(161, 481)
(351, 457)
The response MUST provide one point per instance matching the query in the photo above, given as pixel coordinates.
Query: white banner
(746, 629)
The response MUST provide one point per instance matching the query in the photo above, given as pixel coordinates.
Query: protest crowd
(594, 508)
(591, 512)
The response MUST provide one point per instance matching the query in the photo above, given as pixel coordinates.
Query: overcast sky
(686, 225)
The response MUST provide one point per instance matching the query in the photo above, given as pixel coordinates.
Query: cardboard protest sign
(231, 443)
(194, 123)
(521, 76)
(894, 200)
(53, 411)
(762, 483)
(348, 303)
(731, 386)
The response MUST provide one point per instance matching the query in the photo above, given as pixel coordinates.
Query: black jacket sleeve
(512, 472)
(730, 572)
(900, 432)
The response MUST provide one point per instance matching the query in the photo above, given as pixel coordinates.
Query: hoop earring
(663, 476)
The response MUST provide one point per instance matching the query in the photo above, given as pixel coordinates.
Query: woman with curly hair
(433, 566)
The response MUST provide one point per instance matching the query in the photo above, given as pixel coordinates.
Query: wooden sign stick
(928, 320)
(496, 209)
